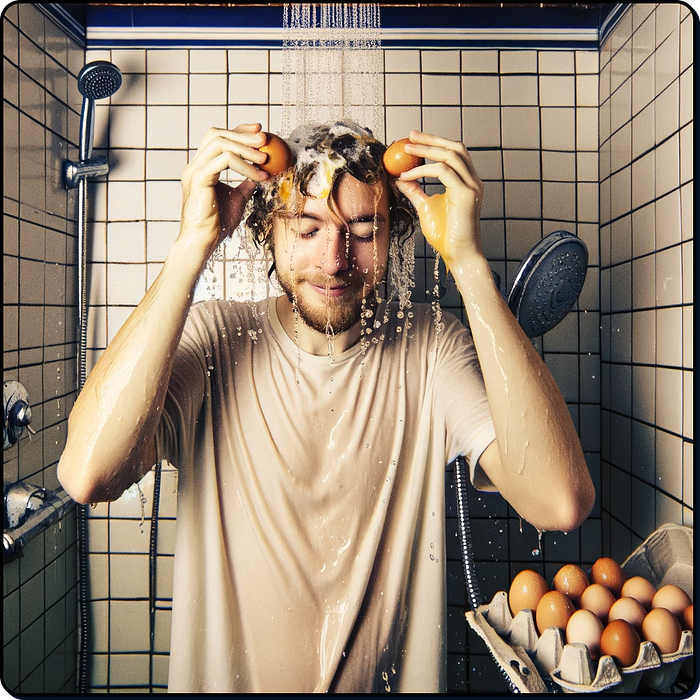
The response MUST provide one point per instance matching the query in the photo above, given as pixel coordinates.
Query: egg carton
(577, 673)
(527, 657)
(666, 556)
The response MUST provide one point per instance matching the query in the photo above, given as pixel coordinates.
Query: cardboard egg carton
(666, 556)
(527, 657)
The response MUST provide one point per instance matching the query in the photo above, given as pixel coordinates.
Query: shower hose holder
(74, 171)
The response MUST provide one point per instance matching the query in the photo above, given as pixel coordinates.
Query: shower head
(99, 79)
(96, 81)
(548, 282)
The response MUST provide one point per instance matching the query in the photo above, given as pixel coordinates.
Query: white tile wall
(645, 223)
(481, 89)
(542, 109)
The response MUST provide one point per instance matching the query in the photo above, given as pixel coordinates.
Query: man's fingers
(452, 152)
(221, 144)
(441, 171)
(412, 191)
(208, 173)
(245, 134)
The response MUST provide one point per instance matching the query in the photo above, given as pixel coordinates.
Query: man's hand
(450, 221)
(211, 210)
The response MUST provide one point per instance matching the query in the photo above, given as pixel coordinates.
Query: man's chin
(329, 320)
(325, 313)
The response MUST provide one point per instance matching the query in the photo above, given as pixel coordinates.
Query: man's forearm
(117, 412)
(542, 471)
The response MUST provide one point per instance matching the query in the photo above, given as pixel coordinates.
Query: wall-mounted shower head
(548, 282)
(96, 81)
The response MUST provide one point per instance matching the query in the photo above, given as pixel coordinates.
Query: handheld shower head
(99, 79)
(96, 81)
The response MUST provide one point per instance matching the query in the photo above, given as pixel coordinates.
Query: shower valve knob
(17, 412)
(20, 414)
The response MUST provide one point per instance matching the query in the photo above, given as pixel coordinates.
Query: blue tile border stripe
(252, 37)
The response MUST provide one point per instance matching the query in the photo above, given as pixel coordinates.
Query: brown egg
(621, 641)
(688, 618)
(598, 599)
(640, 589)
(609, 573)
(661, 627)
(672, 598)
(585, 628)
(526, 590)
(628, 609)
(571, 581)
(279, 155)
(553, 610)
(397, 161)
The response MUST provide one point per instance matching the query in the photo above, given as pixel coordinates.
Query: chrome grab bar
(56, 505)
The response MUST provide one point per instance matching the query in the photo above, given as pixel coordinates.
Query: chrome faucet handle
(20, 500)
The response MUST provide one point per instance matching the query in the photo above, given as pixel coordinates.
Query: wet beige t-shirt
(310, 547)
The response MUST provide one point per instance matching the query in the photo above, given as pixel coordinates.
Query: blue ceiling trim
(483, 17)
(174, 16)
(462, 26)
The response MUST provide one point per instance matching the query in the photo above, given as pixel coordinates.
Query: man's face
(329, 262)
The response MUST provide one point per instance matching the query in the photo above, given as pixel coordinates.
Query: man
(311, 430)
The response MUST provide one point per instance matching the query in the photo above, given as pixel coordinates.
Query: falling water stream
(332, 65)
(332, 70)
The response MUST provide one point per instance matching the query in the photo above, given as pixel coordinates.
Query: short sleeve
(183, 401)
(461, 396)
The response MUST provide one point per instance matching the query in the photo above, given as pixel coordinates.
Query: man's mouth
(330, 286)
(330, 289)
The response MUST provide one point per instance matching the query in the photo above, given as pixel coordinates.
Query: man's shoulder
(426, 315)
(229, 306)
(227, 312)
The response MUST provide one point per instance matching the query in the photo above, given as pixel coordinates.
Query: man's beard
(337, 314)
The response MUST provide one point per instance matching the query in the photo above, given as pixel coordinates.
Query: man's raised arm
(536, 462)
(112, 425)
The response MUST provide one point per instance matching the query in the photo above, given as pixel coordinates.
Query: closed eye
(362, 231)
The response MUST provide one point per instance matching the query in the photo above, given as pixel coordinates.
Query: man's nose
(335, 253)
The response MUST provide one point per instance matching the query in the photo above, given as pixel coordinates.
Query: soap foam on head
(320, 153)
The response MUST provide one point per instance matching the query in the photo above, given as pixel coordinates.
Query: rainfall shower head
(96, 81)
(99, 80)
(548, 282)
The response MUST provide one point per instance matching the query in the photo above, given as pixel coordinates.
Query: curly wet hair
(350, 149)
